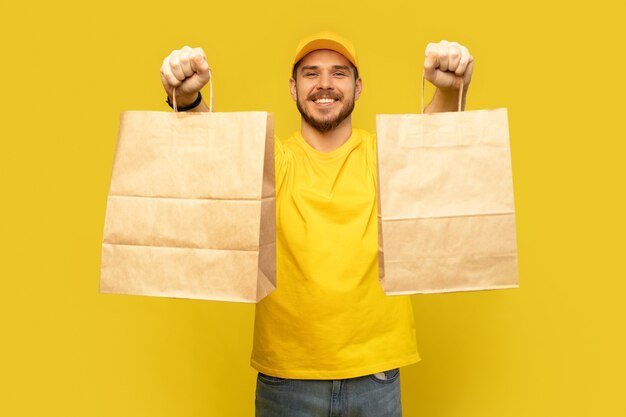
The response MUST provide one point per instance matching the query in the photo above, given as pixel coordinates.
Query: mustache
(325, 94)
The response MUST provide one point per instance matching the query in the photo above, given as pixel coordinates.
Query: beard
(327, 122)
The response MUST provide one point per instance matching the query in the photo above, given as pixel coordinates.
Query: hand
(446, 63)
(188, 71)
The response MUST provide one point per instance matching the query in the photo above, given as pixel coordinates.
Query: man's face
(325, 89)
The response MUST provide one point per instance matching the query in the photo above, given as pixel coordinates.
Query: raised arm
(445, 65)
(187, 70)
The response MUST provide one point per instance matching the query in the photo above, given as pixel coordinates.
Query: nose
(325, 81)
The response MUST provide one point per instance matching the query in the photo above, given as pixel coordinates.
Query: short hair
(297, 64)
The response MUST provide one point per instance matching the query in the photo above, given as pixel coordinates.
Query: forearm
(202, 107)
(446, 100)
(186, 101)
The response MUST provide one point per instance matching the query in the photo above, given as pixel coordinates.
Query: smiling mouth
(324, 100)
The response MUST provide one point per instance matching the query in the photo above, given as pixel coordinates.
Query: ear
(358, 88)
(292, 89)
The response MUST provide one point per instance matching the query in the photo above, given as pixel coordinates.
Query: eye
(340, 74)
(310, 74)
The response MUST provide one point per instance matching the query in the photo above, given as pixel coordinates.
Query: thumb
(200, 66)
(200, 77)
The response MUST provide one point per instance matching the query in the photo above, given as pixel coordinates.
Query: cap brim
(333, 45)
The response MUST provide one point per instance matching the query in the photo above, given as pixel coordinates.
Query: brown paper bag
(191, 208)
(446, 212)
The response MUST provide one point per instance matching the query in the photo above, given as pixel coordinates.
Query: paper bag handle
(460, 93)
(210, 94)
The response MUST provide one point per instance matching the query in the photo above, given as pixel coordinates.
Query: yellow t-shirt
(328, 317)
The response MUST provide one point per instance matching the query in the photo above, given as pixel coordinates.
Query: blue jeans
(365, 396)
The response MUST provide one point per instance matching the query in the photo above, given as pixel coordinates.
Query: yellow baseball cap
(326, 40)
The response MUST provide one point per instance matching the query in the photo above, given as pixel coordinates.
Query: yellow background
(551, 348)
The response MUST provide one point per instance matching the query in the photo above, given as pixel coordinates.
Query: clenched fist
(446, 63)
(187, 70)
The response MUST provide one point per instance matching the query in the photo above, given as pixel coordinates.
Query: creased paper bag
(191, 207)
(446, 211)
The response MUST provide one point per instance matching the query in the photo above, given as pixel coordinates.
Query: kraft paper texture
(191, 207)
(446, 209)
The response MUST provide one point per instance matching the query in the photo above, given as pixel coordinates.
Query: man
(328, 342)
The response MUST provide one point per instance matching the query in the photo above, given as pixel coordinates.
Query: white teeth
(324, 100)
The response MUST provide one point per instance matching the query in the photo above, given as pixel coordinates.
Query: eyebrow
(315, 67)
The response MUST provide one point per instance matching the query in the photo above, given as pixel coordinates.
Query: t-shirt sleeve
(372, 157)
(279, 162)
